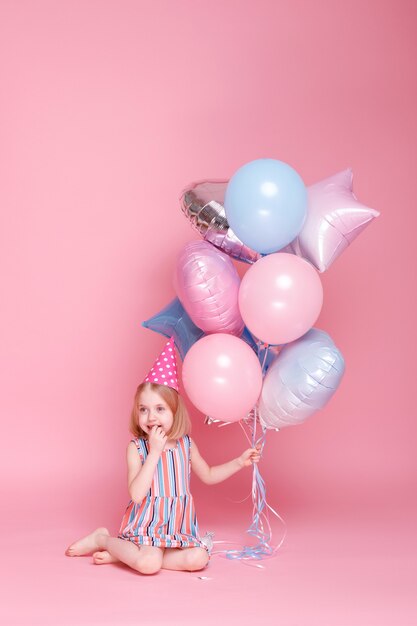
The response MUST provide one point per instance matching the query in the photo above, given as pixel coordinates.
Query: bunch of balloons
(251, 342)
(250, 352)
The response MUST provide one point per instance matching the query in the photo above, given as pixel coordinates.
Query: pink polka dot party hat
(164, 370)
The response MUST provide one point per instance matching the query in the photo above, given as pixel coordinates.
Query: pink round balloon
(207, 284)
(222, 377)
(280, 298)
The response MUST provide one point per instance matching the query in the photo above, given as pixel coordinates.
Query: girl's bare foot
(103, 557)
(87, 544)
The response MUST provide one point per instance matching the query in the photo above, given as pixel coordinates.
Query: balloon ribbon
(260, 527)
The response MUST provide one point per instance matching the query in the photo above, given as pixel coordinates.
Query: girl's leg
(146, 559)
(189, 559)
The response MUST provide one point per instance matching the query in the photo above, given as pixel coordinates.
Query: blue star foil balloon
(301, 380)
(174, 321)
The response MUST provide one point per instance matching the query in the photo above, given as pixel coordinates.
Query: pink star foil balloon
(334, 219)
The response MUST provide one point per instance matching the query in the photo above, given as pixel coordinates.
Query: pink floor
(359, 568)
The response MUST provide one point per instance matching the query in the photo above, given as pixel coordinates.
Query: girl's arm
(139, 477)
(218, 473)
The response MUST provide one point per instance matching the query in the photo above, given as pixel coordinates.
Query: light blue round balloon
(266, 204)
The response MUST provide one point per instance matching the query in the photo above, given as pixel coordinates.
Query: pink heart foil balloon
(207, 284)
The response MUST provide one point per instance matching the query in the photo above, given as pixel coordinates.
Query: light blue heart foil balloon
(301, 380)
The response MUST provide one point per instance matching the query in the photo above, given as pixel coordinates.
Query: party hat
(164, 370)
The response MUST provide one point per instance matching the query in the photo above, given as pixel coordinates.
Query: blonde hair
(180, 426)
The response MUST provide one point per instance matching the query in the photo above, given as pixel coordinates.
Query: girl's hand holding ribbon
(250, 456)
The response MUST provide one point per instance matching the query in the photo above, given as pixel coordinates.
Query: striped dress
(166, 516)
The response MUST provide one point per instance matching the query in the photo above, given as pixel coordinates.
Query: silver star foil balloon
(202, 203)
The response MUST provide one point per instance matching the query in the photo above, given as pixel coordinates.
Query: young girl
(159, 528)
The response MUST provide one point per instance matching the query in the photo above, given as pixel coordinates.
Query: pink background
(108, 110)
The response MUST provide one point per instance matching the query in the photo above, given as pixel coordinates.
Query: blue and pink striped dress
(166, 516)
